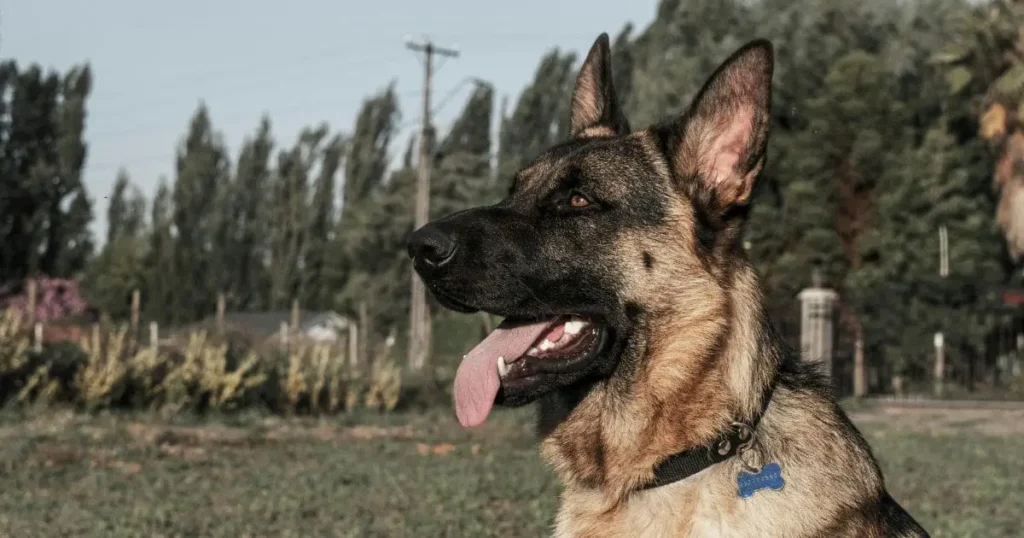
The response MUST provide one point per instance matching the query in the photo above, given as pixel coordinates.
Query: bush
(205, 373)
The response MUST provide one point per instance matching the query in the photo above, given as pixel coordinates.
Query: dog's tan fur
(705, 363)
(683, 347)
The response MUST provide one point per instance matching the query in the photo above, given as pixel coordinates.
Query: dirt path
(995, 422)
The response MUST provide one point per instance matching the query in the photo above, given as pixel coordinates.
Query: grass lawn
(959, 472)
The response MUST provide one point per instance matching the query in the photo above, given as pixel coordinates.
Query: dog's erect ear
(721, 139)
(594, 105)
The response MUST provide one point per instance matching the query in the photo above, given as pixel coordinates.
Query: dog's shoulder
(883, 518)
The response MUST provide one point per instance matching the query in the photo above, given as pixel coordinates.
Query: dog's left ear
(594, 105)
(721, 139)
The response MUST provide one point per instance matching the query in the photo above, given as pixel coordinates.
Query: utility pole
(496, 158)
(419, 317)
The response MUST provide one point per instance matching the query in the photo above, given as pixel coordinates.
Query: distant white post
(817, 306)
(939, 373)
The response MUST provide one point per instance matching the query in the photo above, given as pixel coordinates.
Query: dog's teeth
(533, 352)
(574, 327)
(502, 367)
(546, 345)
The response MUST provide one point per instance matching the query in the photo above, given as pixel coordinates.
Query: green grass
(129, 475)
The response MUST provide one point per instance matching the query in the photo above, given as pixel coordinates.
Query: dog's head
(601, 235)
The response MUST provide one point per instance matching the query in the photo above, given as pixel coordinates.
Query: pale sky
(301, 62)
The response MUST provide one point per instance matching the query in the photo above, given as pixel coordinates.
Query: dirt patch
(331, 433)
(198, 436)
(993, 422)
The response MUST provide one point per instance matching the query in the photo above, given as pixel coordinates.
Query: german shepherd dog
(668, 404)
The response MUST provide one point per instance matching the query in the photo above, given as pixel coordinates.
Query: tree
(290, 214)
(202, 169)
(159, 289)
(899, 291)
(986, 64)
(120, 267)
(248, 282)
(462, 162)
(541, 115)
(350, 259)
(41, 157)
(322, 225)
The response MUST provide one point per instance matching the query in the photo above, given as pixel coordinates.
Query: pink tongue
(477, 382)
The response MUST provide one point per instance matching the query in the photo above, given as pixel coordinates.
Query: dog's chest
(697, 507)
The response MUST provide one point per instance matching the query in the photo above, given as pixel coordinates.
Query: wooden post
(32, 296)
(154, 337)
(860, 381)
(221, 306)
(364, 334)
(38, 334)
(284, 336)
(136, 303)
(353, 346)
(940, 365)
(295, 315)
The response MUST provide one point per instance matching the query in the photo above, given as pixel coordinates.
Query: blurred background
(211, 326)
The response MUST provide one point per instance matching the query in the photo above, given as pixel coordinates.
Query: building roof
(269, 323)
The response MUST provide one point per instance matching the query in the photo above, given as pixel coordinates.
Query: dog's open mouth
(519, 353)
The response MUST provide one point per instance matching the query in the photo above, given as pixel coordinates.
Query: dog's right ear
(595, 109)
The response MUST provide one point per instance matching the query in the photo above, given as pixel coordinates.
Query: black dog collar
(694, 460)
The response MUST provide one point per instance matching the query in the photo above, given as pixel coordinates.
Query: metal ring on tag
(747, 438)
(745, 432)
(744, 454)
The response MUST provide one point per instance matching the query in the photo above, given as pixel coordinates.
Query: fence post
(221, 306)
(154, 337)
(364, 334)
(353, 346)
(817, 306)
(32, 293)
(940, 365)
(38, 334)
(136, 303)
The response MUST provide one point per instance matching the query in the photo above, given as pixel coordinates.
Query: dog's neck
(698, 373)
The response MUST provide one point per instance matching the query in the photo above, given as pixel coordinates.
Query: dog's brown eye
(578, 201)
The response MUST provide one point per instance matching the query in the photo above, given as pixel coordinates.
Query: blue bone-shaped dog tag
(770, 477)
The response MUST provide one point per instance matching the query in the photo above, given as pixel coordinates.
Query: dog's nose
(431, 248)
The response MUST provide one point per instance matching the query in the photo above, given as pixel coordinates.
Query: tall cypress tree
(322, 225)
(249, 282)
(202, 169)
(462, 161)
(365, 174)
